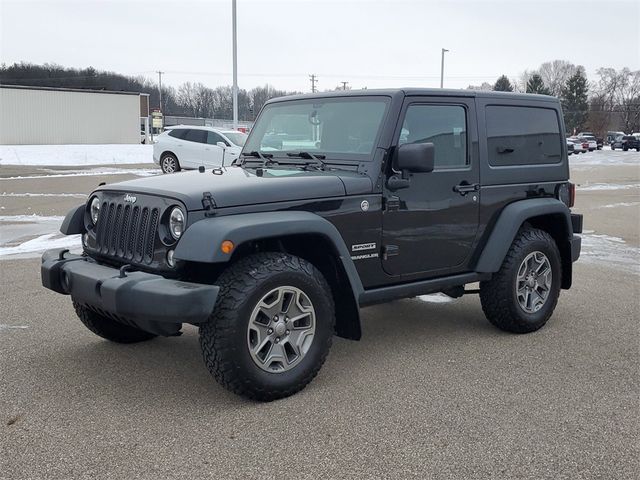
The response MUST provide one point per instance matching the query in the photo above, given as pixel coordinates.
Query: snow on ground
(25, 236)
(436, 298)
(62, 155)
(608, 186)
(611, 251)
(605, 156)
(93, 172)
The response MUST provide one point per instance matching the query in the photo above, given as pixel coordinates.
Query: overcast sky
(367, 43)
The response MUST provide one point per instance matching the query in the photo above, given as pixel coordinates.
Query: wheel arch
(548, 214)
(303, 234)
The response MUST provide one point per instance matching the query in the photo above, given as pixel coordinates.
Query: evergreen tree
(503, 85)
(574, 101)
(536, 85)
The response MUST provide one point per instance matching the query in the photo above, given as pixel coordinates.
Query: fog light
(170, 259)
(227, 247)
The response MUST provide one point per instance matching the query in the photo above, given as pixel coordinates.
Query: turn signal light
(227, 247)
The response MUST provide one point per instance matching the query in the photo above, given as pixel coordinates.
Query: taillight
(566, 193)
(572, 195)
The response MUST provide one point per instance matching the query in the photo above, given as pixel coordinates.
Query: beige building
(53, 116)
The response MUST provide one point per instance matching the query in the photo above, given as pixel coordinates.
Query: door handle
(465, 188)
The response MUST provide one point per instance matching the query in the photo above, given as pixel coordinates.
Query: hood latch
(209, 204)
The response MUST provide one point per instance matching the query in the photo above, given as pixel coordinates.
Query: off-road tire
(498, 295)
(110, 329)
(223, 338)
(164, 158)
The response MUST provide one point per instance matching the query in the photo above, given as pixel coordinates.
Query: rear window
(522, 135)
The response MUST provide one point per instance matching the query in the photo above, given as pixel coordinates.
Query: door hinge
(390, 251)
(391, 204)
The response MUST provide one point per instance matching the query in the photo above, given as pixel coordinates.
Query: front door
(431, 225)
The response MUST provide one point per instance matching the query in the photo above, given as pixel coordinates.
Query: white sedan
(189, 147)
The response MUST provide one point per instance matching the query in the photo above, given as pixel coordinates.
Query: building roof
(80, 90)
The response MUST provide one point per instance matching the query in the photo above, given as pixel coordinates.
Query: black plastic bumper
(137, 297)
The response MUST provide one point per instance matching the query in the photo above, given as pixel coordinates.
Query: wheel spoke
(533, 282)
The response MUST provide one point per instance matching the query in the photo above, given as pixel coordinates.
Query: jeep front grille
(127, 231)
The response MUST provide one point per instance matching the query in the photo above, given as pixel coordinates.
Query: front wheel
(612, 147)
(169, 163)
(271, 328)
(521, 296)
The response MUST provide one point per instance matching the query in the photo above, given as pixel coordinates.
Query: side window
(199, 136)
(443, 125)
(522, 136)
(177, 133)
(213, 138)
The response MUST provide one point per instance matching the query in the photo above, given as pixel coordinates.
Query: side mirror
(222, 145)
(411, 158)
(415, 157)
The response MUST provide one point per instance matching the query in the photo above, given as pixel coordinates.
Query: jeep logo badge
(130, 198)
(364, 205)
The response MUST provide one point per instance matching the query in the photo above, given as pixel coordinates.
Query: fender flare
(73, 222)
(201, 241)
(508, 224)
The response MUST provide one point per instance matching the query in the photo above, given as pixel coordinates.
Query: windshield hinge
(208, 204)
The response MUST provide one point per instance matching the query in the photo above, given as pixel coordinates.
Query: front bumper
(143, 299)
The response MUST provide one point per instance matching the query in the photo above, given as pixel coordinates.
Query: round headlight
(94, 209)
(176, 223)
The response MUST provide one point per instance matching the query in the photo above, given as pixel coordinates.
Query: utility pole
(344, 85)
(442, 68)
(235, 66)
(314, 79)
(160, 87)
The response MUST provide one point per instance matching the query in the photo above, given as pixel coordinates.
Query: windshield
(345, 127)
(237, 138)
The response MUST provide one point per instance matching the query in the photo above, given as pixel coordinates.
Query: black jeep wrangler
(367, 197)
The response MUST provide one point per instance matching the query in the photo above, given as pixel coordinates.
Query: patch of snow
(436, 298)
(31, 218)
(139, 172)
(35, 246)
(621, 204)
(74, 195)
(603, 157)
(610, 251)
(4, 326)
(75, 154)
(608, 186)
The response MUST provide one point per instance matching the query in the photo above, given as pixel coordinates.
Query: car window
(443, 125)
(522, 135)
(213, 138)
(199, 136)
(178, 133)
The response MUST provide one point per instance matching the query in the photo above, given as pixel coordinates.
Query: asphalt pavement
(431, 391)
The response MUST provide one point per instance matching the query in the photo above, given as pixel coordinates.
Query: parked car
(276, 254)
(626, 142)
(591, 140)
(189, 147)
(611, 136)
(579, 146)
(570, 147)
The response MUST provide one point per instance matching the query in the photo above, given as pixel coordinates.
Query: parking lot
(431, 391)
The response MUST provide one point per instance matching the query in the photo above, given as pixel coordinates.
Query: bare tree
(555, 75)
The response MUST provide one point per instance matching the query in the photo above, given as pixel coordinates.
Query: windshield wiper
(265, 157)
(319, 164)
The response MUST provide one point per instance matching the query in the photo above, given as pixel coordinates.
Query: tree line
(189, 99)
(610, 102)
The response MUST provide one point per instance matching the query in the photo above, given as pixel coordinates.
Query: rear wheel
(169, 163)
(522, 295)
(612, 147)
(272, 326)
(110, 329)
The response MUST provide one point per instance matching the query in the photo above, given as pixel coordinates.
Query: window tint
(213, 138)
(522, 135)
(199, 136)
(443, 125)
(178, 133)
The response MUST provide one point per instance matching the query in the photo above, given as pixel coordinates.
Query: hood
(237, 186)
